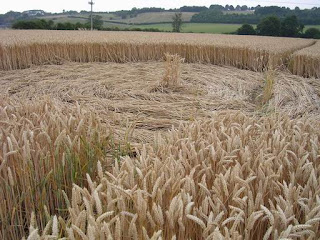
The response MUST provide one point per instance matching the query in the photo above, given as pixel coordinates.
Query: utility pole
(91, 3)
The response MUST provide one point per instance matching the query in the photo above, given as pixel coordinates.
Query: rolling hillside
(143, 18)
(159, 20)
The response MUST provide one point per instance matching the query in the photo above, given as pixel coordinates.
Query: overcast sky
(111, 5)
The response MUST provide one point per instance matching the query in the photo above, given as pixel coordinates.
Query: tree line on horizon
(272, 21)
(215, 14)
(269, 26)
(274, 26)
(50, 25)
(12, 16)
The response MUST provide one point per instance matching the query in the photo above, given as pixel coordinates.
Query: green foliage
(312, 33)
(193, 9)
(272, 26)
(307, 16)
(33, 24)
(269, 26)
(11, 16)
(135, 11)
(272, 10)
(290, 27)
(217, 16)
(70, 26)
(217, 7)
(246, 29)
(97, 22)
(177, 22)
(49, 25)
(244, 8)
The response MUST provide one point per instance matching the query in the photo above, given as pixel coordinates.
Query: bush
(269, 26)
(33, 24)
(312, 33)
(246, 29)
(290, 27)
(177, 22)
(49, 25)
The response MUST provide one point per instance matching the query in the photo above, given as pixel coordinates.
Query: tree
(177, 22)
(238, 8)
(231, 8)
(50, 24)
(66, 26)
(216, 7)
(290, 27)
(34, 24)
(97, 21)
(193, 9)
(269, 26)
(227, 7)
(244, 8)
(272, 10)
(312, 33)
(246, 29)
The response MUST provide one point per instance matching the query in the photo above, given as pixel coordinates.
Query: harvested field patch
(130, 92)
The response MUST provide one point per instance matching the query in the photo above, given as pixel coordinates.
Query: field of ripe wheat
(21, 49)
(306, 62)
(157, 136)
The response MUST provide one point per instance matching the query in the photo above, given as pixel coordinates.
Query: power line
(91, 3)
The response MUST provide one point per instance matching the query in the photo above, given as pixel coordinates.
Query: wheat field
(306, 62)
(145, 136)
(21, 48)
(251, 180)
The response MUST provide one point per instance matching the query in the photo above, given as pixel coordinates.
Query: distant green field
(154, 17)
(205, 27)
(197, 27)
(312, 26)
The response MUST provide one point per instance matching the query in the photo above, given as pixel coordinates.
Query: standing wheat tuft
(172, 74)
